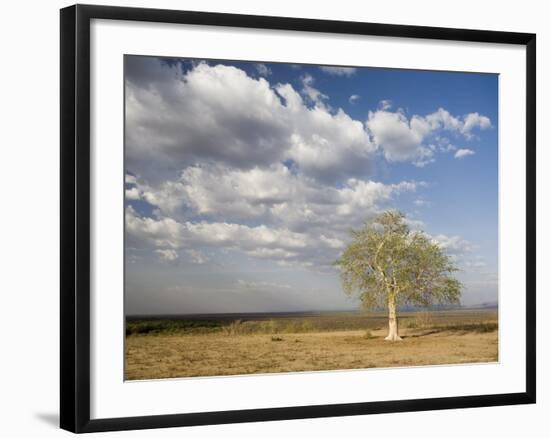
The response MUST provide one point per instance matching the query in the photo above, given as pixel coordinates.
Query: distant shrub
(292, 327)
(422, 319)
(276, 339)
(234, 328)
(425, 318)
(483, 327)
(487, 327)
(272, 326)
(170, 326)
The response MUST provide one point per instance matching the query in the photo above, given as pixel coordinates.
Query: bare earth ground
(165, 355)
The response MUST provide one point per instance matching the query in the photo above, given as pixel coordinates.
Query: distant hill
(486, 305)
(294, 314)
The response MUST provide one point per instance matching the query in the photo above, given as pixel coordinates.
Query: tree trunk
(392, 321)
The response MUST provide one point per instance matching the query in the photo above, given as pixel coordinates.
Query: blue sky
(243, 178)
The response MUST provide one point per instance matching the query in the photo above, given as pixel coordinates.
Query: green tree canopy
(387, 265)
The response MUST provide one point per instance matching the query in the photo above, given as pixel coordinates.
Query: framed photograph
(267, 218)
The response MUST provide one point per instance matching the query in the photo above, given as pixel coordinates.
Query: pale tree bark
(393, 334)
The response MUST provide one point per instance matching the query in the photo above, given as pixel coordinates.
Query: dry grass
(437, 339)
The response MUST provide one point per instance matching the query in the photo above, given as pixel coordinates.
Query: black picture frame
(75, 217)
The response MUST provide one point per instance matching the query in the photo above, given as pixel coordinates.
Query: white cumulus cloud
(263, 69)
(234, 163)
(219, 113)
(354, 98)
(339, 71)
(405, 139)
(461, 153)
(168, 255)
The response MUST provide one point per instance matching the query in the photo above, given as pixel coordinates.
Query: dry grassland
(451, 338)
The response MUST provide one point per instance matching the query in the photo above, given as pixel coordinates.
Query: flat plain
(216, 345)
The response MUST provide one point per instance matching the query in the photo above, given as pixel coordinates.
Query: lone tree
(388, 265)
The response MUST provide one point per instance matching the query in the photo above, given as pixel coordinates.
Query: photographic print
(295, 217)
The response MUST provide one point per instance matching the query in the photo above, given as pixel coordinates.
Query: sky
(244, 179)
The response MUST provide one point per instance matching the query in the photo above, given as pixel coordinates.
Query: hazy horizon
(356, 309)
